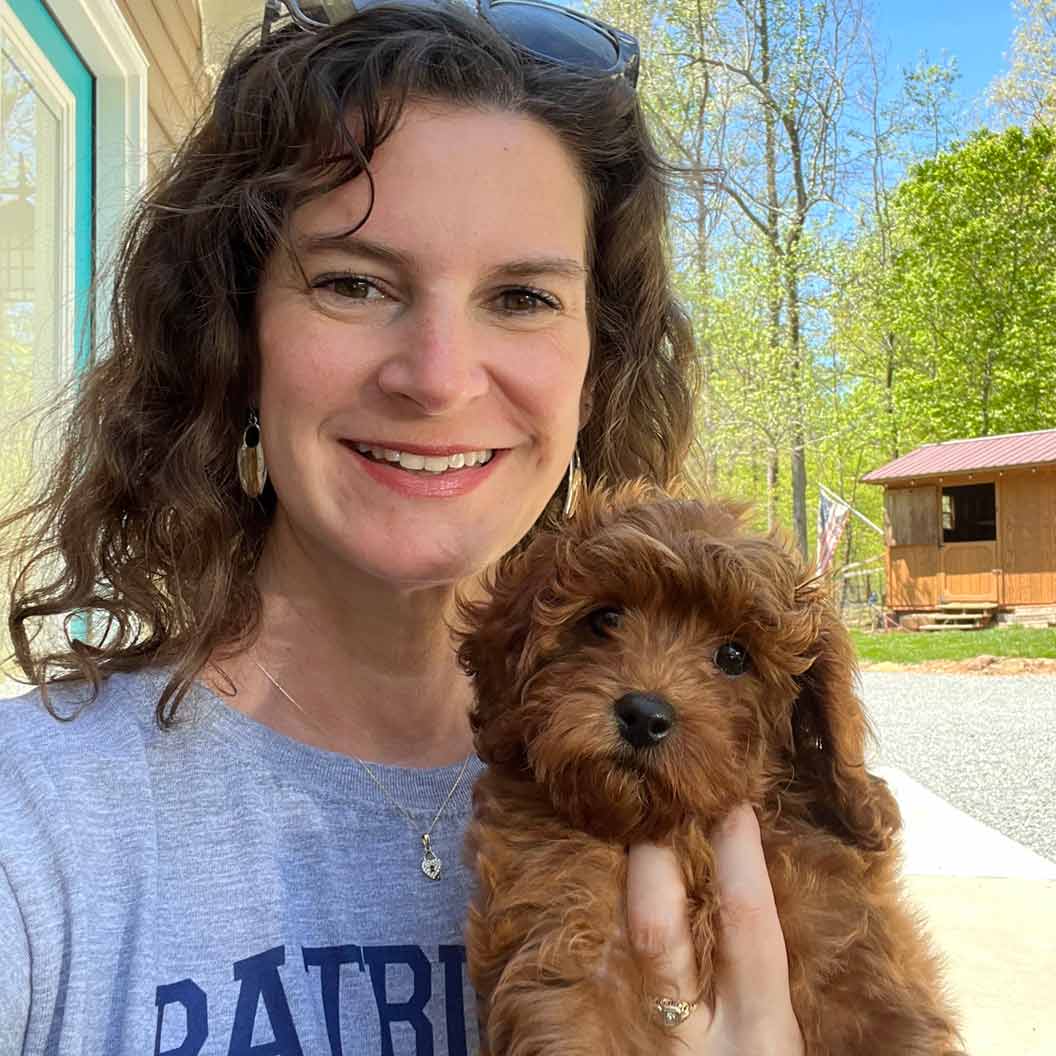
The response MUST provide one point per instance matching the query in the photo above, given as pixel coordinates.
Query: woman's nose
(437, 362)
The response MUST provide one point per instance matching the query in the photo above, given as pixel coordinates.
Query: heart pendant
(431, 865)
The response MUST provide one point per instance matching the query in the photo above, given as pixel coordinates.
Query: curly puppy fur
(565, 792)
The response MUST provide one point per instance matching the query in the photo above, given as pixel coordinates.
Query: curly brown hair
(142, 523)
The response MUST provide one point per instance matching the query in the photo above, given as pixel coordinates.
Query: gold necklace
(431, 863)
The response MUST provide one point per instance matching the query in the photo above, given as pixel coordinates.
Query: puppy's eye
(731, 658)
(604, 621)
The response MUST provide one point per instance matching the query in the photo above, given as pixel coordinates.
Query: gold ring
(672, 1013)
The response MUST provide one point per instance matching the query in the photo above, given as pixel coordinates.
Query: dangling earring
(574, 484)
(252, 471)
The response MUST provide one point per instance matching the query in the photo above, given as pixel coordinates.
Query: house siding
(912, 577)
(1027, 520)
(170, 34)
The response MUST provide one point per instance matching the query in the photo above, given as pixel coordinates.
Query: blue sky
(977, 32)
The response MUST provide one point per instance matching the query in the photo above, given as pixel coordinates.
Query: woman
(401, 271)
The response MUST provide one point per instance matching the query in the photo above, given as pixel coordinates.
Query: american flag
(832, 518)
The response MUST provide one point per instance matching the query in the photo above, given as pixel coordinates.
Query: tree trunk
(889, 395)
(773, 470)
(708, 427)
(800, 375)
(773, 235)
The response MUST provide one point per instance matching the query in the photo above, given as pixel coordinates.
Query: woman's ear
(829, 731)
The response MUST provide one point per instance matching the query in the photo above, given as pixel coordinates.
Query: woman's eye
(526, 301)
(731, 658)
(347, 287)
(517, 301)
(604, 621)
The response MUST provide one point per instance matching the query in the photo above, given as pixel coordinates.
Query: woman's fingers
(752, 991)
(753, 1006)
(658, 925)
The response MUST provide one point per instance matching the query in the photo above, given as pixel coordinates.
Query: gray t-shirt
(220, 890)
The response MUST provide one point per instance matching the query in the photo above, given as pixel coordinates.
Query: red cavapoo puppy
(638, 672)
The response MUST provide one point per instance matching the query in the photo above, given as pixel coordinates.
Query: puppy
(638, 672)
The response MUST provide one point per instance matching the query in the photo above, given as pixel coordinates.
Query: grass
(911, 647)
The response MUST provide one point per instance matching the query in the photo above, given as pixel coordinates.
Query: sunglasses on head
(543, 30)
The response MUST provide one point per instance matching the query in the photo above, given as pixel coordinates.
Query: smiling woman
(404, 278)
(431, 359)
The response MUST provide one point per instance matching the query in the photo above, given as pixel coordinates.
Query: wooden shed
(971, 525)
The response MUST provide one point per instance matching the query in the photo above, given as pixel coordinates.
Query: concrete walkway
(991, 906)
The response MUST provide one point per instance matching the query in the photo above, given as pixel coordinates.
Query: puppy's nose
(644, 719)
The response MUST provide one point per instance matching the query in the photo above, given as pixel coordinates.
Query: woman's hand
(753, 1008)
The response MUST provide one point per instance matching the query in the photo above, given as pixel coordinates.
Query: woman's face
(419, 404)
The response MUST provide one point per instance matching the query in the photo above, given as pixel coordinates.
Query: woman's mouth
(425, 464)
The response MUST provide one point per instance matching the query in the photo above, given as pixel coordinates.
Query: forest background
(869, 266)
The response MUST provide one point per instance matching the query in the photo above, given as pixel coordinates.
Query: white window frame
(113, 55)
(55, 94)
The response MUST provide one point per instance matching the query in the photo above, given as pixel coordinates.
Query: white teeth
(426, 463)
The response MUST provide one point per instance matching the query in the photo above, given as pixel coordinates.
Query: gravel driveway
(986, 744)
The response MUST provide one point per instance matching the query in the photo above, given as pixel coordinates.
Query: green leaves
(971, 293)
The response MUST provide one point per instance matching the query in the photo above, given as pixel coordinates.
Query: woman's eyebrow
(356, 246)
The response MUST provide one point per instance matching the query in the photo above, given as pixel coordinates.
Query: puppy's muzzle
(644, 719)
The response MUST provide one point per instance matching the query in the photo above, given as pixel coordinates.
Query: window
(969, 514)
(72, 90)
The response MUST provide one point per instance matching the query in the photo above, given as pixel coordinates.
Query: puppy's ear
(829, 731)
(495, 648)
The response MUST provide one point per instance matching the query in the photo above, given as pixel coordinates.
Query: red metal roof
(966, 456)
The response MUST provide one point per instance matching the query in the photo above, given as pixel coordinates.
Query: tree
(755, 89)
(1026, 94)
(972, 293)
(895, 132)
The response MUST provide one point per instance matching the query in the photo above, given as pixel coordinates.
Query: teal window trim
(49, 37)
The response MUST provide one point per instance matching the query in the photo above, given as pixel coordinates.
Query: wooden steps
(958, 616)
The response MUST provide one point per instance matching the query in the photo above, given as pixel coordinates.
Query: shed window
(969, 514)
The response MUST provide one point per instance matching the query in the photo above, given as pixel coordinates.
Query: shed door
(911, 517)
(968, 551)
